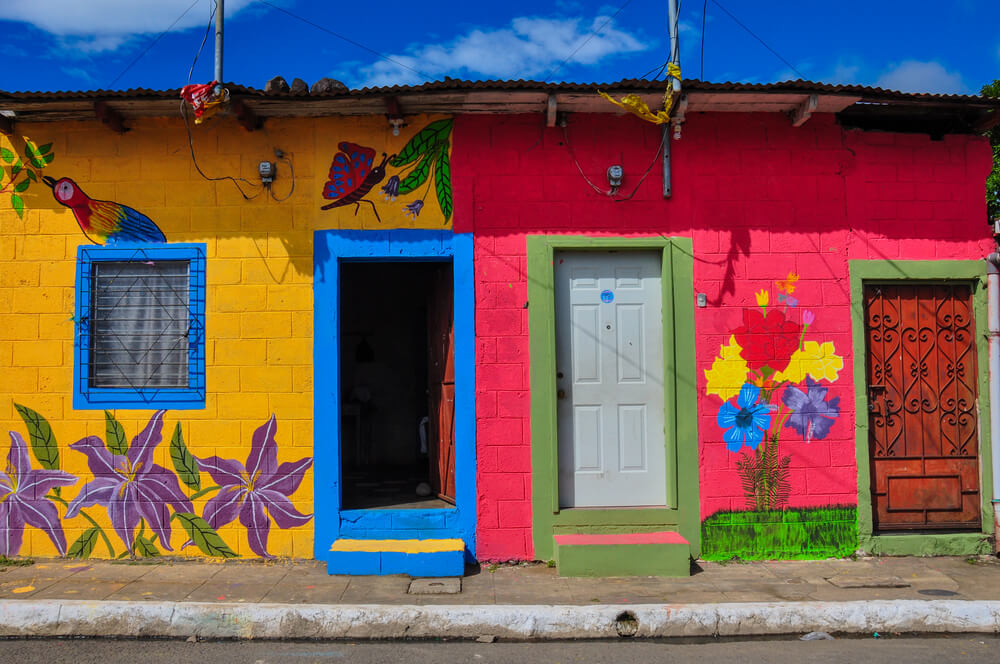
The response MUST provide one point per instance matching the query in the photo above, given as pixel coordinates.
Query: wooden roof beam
(245, 115)
(804, 111)
(6, 125)
(109, 117)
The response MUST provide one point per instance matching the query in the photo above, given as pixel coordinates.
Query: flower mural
(138, 493)
(24, 499)
(256, 491)
(131, 486)
(780, 382)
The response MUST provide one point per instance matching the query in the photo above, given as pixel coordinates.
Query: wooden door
(923, 436)
(609, 377)
(441, 383)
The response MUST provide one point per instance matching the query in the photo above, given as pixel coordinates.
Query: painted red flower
(767, 341)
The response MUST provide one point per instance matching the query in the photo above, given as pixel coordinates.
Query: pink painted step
(666, 537)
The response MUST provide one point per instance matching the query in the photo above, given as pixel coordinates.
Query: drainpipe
(993, 316)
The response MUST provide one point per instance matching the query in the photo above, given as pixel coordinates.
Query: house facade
(447, 332)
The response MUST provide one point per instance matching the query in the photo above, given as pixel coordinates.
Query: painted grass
(792, 534)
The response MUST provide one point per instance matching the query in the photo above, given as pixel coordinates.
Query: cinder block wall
(761, 199)
(259, 319)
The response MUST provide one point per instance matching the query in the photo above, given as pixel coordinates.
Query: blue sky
(951, 47)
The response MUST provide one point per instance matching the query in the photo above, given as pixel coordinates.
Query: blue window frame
(140, 327)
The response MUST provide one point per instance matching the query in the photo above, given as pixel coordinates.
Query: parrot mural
(104, 222)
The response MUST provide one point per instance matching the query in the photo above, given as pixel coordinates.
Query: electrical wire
(194, 160)
(752, 34)
(152, 43)
(592, 34)
(348, 40)
(291, 169)
(614, 190)
(208, 30)
(704, 15)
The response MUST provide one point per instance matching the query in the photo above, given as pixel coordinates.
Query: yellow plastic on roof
(636, 106)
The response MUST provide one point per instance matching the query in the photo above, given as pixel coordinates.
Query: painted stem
(111, 549)
(201, 493)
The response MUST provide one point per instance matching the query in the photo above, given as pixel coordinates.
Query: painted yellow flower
(813, 359)
(728, 372)
(763, 297)
(787, 285)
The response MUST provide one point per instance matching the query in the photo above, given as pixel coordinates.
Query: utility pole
(220, 17)
(675, 53)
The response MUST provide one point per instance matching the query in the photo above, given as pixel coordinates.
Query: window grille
(140, 327)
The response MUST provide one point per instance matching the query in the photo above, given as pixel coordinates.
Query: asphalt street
(952, 648)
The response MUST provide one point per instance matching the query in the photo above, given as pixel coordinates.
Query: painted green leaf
(48, 158)
(184, 462)
(31, 174)
(115, 438)
(424, 142)
(29, 146)
(145, 547)
(84, 544)
(43, 441)
(16, 168)
(204, 536)
(6, 155)
(18, 204)
(45, 148)
(416, 177)
(22, 185)
(442, 182)
(37, 162)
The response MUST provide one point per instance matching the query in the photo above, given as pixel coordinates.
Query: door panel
(441, 384)
(922, 378)
(609, 348)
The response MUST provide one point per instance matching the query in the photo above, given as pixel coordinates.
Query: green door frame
(682, 511)
(972, 272)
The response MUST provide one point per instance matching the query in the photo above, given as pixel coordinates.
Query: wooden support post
(109, 117)
(6, 125)
(245, 115)
(551, 109)
(804, 111)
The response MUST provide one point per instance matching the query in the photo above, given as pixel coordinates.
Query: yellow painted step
(399, 546)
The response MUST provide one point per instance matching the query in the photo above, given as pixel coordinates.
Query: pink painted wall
(760, 199)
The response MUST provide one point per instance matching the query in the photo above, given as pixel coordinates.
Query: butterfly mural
(352, 176)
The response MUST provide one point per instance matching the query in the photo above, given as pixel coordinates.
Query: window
(140, 327)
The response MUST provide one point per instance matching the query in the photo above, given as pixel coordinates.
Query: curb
(57, 618)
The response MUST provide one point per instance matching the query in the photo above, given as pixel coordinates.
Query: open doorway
(397, 385)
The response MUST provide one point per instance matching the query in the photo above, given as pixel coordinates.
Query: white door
(609, 377)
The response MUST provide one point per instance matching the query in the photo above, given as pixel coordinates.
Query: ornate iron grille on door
(923, 437)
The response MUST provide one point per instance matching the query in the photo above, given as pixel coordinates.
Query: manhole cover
(446, 586)
(937, 592)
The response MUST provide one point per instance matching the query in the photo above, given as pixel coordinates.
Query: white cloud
(529, 47)
(916, 76)
(109, 18)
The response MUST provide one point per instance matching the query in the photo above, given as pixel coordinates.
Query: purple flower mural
(812, 415)
(257, 491)
(23, 501)
(131, 486)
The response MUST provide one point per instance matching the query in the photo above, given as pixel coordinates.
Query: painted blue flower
(391, 188)
(746, 422)
(812, 415)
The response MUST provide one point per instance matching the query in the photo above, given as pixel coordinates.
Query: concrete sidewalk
(298, 599)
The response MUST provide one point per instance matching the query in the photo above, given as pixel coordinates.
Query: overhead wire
(208, 30)
(592, 34)
(754, 35)
(704, 15)
(235, 180)
(350, 41)
(153, 43)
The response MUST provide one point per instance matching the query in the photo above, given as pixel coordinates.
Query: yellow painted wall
(259, 345)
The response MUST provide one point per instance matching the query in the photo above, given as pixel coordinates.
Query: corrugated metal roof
(450, 84)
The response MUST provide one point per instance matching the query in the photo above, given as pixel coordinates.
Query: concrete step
(626, 554)
(416, 557)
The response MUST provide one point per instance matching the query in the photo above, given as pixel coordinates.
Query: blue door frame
(331, 521)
